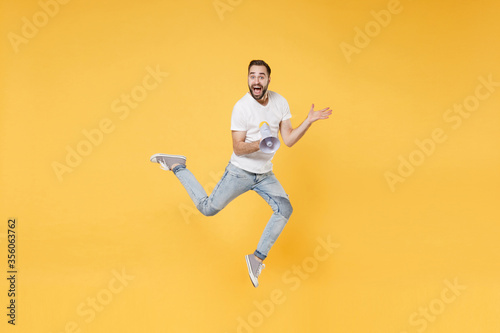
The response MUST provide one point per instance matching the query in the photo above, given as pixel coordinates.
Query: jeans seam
(276, 203)
(218, 184)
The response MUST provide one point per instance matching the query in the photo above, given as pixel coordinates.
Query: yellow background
(117, 212)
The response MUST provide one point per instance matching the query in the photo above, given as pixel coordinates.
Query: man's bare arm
(291, 135)
(240, 147)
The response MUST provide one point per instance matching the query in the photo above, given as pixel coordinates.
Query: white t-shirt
(247, 115)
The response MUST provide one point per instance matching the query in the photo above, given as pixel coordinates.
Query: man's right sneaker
(254, 268)
(166, 161)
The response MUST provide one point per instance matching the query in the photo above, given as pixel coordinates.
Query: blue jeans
(233, 183)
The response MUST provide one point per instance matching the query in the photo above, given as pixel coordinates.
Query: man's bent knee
(208, 211)
(285, 208)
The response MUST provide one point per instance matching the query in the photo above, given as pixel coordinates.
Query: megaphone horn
(269, 143)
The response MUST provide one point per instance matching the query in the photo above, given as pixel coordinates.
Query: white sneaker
(166, 161)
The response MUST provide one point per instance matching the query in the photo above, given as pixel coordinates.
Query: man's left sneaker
(254, 268)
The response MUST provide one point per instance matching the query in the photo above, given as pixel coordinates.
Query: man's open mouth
(257, 90)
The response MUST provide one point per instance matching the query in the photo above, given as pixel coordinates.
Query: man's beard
(263, 91)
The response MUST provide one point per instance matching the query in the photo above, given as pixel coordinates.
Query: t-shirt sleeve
(238, 121)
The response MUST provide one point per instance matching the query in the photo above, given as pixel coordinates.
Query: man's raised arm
(291, 135)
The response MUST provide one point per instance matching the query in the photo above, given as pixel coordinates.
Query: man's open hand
(317, 115)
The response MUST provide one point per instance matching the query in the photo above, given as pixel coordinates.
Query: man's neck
(264, 100)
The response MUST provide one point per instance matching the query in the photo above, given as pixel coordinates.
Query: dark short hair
(260, 63)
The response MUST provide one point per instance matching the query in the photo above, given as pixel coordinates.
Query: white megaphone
(269, 144)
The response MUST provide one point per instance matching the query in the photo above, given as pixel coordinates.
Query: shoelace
(261, 266)
(163, 165)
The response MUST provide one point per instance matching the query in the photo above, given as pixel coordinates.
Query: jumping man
(249, 167)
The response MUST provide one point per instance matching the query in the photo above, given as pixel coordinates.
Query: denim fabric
(233, 183)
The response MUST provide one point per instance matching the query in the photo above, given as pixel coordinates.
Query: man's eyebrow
(259, 73)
